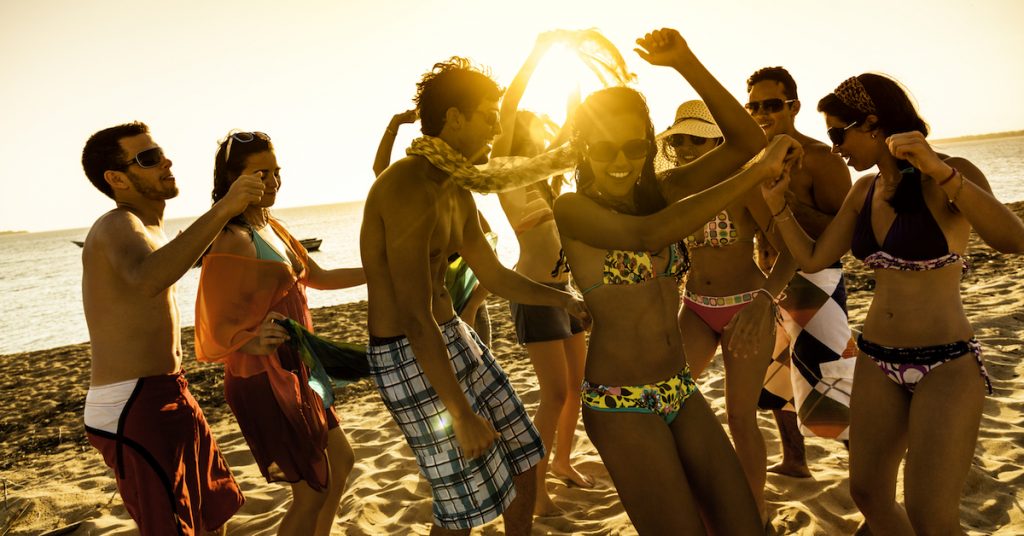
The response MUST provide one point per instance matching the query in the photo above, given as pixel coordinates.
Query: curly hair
(606, 103)
(103, 152)
(455, 83)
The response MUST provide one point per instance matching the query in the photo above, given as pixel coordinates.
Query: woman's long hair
(606, 103)
(227, 170)
(896, 114)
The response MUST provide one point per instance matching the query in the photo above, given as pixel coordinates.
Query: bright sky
(324, 77)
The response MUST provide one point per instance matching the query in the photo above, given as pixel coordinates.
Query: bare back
(414, 218)
(132, 334)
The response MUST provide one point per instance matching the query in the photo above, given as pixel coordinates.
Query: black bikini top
(913, 236)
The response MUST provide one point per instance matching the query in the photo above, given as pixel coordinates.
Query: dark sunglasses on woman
(606, 151)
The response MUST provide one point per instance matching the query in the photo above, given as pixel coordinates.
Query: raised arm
(580, 218)
(967, 188)
(510, 101)
(151, 268)
(743, 137)
(387, 142)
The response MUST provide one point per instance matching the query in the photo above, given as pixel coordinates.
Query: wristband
(781, 210)
(950, 177)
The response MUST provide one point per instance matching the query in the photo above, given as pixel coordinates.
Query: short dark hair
(103, 152)
(609, 102)
(775, 74)
(454, 83)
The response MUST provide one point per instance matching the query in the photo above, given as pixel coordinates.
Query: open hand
(662, 47)
(578, 309)
(751, 327)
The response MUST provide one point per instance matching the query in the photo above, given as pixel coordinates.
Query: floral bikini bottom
(664, 398)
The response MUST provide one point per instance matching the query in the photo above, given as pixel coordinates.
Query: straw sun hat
(694, 118)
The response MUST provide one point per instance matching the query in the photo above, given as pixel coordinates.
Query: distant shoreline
(980, 137)
(12, 232)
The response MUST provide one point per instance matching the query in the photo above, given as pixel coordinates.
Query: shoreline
(55, 479)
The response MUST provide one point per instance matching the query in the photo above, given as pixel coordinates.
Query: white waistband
(104, 404)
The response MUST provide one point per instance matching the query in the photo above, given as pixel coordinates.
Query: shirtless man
(138, 411)
(817, 350)
(471, 436)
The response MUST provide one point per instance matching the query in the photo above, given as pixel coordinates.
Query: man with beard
(815, 304)
(138, 412)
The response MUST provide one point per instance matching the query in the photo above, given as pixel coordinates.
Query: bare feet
(571, 476)
(544, 506)
(790, 469)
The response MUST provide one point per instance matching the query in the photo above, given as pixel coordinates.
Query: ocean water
(41, 273)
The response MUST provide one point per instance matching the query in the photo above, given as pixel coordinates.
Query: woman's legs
(713, 469)
(744, 377)
(639, 451)
(341, 459)
(699, 341)
(575, 348)
(301, 517)
(945, 413)
(549, 363)
(878, 438)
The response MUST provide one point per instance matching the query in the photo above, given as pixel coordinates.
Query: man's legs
(519, 514)
(794, 458)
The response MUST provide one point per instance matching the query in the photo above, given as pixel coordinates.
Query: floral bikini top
(718, 233)
(634, 267)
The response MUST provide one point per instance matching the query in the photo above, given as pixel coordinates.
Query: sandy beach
(55, 483)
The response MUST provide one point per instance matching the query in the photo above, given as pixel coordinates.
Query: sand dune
(55, 483)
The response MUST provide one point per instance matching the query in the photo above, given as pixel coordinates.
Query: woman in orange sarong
(256, 272)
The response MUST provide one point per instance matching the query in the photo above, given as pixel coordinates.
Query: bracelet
(952, 200)
(950, 177)
(787, 218)
(781, 210)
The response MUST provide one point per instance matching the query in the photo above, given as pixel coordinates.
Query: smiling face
(858, 148)
(266, 162)
(765, 96)
(155, 183)
(616, 151)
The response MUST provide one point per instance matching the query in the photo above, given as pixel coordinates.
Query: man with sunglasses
(469, 431)
(138, 411)
(814, 304)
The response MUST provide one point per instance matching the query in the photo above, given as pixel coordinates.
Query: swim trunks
(466, 492)
(170, 474)
(542, 323)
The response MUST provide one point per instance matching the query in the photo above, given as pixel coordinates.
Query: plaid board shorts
(466, 493)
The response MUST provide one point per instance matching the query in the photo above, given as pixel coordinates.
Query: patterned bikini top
(634, 267)
(718, 233)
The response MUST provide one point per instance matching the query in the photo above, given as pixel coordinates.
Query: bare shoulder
(817, 153)
(409, 180)
(969, 171)
(234, 240)
(116, 228)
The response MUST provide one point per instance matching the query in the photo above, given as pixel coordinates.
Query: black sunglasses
(606, 151)
(837, 135)
(243, 137)
(148, 158)
(677, 140)
(770, 106)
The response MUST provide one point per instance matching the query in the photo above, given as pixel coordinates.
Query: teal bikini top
(264, 251)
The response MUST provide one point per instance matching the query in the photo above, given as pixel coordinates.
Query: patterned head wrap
(852, 93)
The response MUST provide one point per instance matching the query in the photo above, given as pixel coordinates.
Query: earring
(873, 135)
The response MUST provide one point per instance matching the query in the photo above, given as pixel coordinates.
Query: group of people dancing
(653, 253)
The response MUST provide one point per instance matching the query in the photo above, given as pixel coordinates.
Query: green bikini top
(635, 267)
